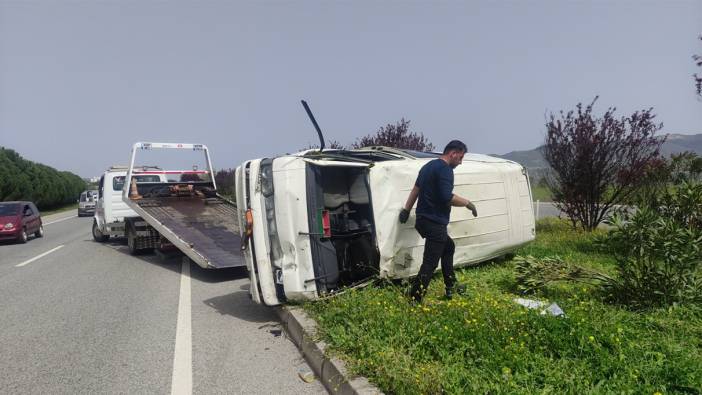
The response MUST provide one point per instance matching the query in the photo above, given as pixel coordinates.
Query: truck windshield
(7, 209)
(118, 182)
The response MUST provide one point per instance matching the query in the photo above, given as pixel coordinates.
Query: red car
(18, 220)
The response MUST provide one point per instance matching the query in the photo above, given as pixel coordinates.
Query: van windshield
(421, 154)
(360, 156)
(118, 182)
(8, 209)
(371, 155)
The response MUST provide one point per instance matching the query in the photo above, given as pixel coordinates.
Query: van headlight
(267, 190)
(9, 225)
(267, 177)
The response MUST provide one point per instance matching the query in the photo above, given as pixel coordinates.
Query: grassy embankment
(485, 342)
(68, 207)
(541, 193)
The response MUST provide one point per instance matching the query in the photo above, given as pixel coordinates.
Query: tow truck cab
(315, 222)
(110, 210)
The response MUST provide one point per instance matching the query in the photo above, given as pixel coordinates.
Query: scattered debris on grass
(553, 309)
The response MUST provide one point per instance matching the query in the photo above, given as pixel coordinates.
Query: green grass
(68, 207)
(541, 193)
(484, 342)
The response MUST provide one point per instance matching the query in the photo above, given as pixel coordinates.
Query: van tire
(97, 235)
(39, 232)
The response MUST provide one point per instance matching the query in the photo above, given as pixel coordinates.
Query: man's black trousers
(438, 246)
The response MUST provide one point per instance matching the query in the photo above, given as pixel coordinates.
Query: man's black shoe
(458, 289)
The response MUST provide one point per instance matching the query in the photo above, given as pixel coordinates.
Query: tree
(225, 181)
(664, 173)
(597, 163)
(698, 77)
(397, 136)
(21, 179)
(332, 144)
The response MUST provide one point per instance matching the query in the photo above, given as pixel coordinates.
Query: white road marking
(62, 219)
(182, 380)
(28, 261)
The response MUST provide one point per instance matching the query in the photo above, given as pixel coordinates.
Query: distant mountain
(675, 144)
(531, 159)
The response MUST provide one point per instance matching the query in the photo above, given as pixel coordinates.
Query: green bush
(658, 250)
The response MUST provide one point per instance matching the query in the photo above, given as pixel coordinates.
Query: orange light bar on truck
(172, 172)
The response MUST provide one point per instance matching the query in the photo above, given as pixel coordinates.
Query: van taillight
(324, 223)
(248, 229)
(249, 222)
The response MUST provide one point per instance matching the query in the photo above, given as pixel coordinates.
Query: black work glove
(470, 206)
(404, 216)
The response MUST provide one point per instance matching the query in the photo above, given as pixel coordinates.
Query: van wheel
(23, 236)
(40, 232)
(97, 235)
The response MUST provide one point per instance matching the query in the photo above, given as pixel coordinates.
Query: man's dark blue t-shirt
(435, 182)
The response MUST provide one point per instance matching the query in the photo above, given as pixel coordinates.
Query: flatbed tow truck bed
(205, 229)
(189, 213)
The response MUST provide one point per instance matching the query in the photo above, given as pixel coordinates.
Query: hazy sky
(80, 81)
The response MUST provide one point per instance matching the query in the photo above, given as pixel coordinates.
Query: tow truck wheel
(97, 235)
(131, 239)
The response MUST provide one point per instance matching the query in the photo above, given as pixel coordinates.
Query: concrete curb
(331, 371)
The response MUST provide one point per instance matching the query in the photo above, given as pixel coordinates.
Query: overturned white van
(316, 222)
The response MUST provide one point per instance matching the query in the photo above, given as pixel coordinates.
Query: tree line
(21, 179)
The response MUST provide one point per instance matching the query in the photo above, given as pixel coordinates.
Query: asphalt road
(90, 318)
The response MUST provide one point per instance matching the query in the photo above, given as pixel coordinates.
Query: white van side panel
(497, 187)
(289, 179)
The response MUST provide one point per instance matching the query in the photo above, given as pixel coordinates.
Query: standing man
(434, 187)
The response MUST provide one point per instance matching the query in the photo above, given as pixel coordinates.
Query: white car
(110, 210)
(86, 203)
(316, 222)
